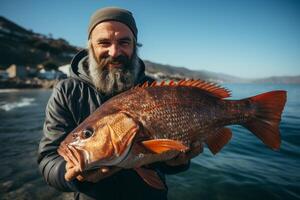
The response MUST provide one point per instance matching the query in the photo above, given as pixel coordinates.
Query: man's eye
(104, 44)
(124, 43)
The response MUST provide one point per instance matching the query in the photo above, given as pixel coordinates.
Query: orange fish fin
(181, 82)
(265, 124)
(153, 84)
(151, 178)
(217, 141)
(146, 84)
(162, 145)
(172, 83)
(212, 88)
(206, 86)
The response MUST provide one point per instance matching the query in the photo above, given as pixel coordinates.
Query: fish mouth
(72, 155)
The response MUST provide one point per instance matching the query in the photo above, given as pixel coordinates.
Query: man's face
(113, 60)
(112, 39)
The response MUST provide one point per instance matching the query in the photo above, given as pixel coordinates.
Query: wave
(22, 103)
(9, 90)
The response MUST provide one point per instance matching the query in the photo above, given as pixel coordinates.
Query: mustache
(122, 59)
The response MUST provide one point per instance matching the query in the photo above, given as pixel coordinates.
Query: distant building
(17, 71)
(31, 72)
(51, 74)
(3, 75)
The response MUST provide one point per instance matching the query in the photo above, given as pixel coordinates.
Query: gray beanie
(113, 14)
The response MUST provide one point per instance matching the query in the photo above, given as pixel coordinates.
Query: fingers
(72, 173)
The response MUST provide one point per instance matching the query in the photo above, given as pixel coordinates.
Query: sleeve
(58, 123)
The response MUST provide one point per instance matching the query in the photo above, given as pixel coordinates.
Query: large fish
(156, 122)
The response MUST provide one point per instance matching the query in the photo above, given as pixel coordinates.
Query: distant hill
(25, 47)
(279, 80)
(160, 71)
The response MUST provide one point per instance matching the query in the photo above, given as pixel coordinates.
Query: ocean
(244, 169)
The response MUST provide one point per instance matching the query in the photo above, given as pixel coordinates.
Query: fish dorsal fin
(210, 87)
(218, 140)
(162, 145)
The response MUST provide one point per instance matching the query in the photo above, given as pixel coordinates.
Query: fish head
(100, 142)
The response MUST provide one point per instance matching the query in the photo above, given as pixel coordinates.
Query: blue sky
(255, 38)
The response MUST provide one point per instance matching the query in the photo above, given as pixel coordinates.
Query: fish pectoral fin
(162, 145)
(151, 178)
(217, 141)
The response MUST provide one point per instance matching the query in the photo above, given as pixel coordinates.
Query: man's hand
(91, 175)
(183, 158)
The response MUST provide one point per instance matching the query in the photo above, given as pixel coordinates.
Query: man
(110, 66)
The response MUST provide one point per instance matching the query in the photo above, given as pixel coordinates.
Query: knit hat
(113, 14)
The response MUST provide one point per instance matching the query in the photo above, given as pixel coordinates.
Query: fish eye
(88, 132)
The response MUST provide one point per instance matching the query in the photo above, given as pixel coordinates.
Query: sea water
(244, 169)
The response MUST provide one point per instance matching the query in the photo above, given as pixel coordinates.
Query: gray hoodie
(73, 100)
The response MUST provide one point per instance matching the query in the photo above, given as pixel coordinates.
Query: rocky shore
(27, 83)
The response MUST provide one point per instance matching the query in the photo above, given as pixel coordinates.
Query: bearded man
(109, 66)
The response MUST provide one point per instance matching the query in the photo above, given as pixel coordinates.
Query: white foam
(22, 103)
(9, 90)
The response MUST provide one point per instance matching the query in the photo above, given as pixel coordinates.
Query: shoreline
(30, 83)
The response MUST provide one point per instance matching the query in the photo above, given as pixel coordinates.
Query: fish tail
(265, 123)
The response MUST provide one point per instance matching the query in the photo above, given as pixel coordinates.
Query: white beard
(115, 80)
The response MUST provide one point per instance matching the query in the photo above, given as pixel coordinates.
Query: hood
(79, 68)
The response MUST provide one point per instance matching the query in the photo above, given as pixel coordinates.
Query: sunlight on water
(7, 106)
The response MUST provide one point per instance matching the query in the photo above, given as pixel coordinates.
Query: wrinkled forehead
(111, 30)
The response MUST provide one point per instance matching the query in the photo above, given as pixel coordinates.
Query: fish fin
(217, 141)
(146, 84)
(153, 84)
(151, 178)
(206, 86)
(211, 88)
(162, 145)
(265, 124)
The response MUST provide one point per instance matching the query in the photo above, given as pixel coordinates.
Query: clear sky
(254, 38)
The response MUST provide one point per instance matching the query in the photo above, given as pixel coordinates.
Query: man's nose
(114, 51)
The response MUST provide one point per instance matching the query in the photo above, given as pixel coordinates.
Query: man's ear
(89, 43)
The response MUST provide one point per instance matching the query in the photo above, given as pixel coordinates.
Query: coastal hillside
(160, 71)
(21, 46)
(24, 47)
